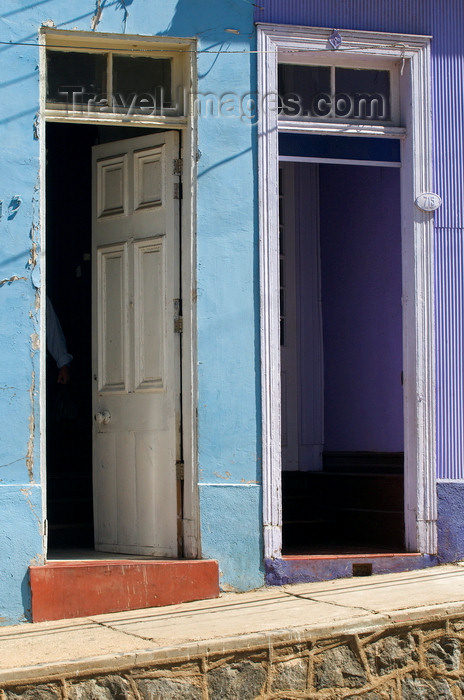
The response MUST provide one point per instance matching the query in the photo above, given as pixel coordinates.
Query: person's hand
(64, 375)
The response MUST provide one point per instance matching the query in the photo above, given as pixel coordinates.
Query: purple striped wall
(450, 351)
(448, 87)
(448, 122)
(444, 21)
(407, 16)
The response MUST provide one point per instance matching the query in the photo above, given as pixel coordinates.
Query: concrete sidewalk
(234, 621)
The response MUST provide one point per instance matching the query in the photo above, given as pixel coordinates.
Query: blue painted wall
(20, 493)
(228, 350)
(228, 300)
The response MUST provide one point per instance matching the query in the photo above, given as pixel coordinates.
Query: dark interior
(353, 506)
(68, 275)
(353, 502)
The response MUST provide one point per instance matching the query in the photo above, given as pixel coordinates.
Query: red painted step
(80, 588)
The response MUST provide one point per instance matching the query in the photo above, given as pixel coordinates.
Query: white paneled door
(136, 349)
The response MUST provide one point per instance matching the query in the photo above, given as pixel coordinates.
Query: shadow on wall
(225, 31)
(100, 5)
(26, 597)
(189, 21)
(189, 18)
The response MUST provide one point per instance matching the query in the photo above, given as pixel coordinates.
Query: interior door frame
(412, 53)
(187, 127)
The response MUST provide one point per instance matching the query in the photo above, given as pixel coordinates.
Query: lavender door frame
(413, 53)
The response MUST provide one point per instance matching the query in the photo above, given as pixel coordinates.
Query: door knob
(103, 417)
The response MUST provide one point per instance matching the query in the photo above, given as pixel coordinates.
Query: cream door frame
(412, 54)
(187, 126)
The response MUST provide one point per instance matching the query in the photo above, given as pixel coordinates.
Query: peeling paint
(26, 492)
(37, 560)
(32, 262)
(220, 476)
(36, 127)
(14, 205)
(95, 21)
(30, 443)
(227, 588)
(13, 278)
(35, 342)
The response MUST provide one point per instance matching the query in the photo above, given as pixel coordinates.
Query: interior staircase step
(357, 498)
(372, 462)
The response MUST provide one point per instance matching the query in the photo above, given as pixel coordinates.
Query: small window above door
(101, 77)
(337, 93)
(110, 82)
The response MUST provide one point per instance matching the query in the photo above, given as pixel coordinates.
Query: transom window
(329, 91)
(117, 82)
(141, 78)
(337, 93)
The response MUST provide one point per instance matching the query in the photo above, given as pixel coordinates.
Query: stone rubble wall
(399, 662)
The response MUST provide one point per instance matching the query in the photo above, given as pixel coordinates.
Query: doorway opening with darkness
(341, 353)
(105, 487)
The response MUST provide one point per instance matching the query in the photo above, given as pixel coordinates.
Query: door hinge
(179, 470)
(178, 166)
(178, 320)
(177, 190)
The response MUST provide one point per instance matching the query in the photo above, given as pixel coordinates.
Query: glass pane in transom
(75, 73)
(362, 94)
(142, 83)
(300, 88)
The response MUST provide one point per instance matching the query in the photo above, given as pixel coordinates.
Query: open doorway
(69, 407)
(341, 359)
(70, 420)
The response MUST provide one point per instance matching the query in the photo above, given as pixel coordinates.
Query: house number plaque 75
(428, 201)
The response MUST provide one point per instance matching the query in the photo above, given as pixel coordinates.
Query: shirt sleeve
(56, 342)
